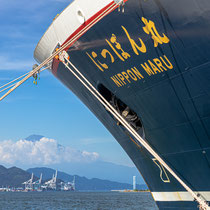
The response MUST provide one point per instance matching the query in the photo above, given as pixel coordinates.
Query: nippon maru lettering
(142, 67)
(150, 67)
(133, 74)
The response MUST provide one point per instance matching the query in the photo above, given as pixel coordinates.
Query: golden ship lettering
(115, 51)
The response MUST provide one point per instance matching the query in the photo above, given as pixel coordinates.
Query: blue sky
(49, 108)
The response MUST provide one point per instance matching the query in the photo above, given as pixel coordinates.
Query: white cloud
(43, 152)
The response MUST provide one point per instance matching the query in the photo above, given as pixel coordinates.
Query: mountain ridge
(82, 183)
(14, 177)
(96, 169)
(34, 137)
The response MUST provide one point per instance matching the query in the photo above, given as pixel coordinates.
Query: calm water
(77, 200)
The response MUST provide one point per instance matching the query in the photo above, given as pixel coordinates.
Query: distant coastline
(12, 179)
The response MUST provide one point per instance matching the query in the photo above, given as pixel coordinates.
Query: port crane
(51, 184)
(37, 184)
(29, 184)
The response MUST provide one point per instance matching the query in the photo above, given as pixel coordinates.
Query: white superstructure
(64, 25)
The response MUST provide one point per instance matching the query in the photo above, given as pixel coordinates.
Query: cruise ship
(143, 68)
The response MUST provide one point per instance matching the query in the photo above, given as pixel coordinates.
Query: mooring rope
(113, 6)
(14, 80)
(6, 88)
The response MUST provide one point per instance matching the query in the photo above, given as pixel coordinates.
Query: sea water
(76, 200)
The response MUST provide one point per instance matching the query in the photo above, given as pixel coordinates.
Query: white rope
(7, 87)
(66, 45)
(202, 202)
(16, 80)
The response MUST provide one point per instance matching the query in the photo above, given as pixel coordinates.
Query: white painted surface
(66, 24)
(178, 196)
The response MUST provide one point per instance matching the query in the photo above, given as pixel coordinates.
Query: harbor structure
(51, 184)
(29, 184)
(68, 186)
(134, 182)
(37, 184)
